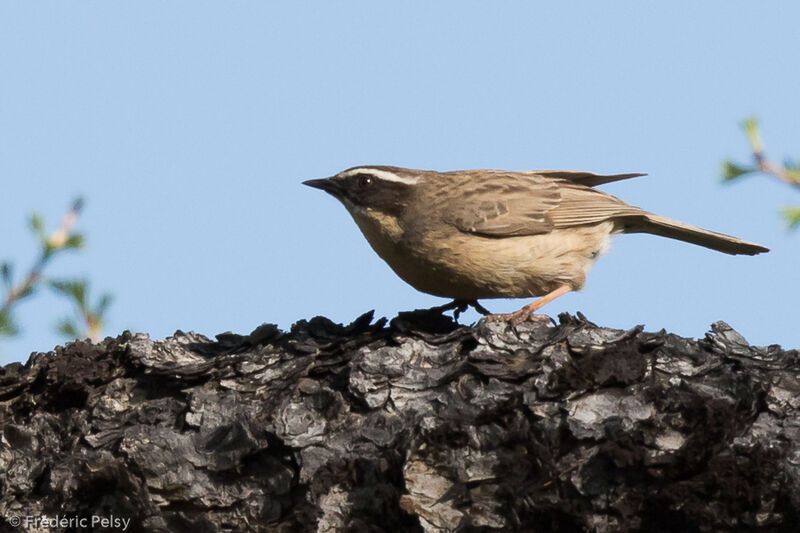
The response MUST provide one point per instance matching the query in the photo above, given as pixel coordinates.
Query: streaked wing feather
(504, 205)
(524, 203)
(582, 205)
(589, 179)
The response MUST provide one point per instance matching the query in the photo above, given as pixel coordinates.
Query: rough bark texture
(418, 425)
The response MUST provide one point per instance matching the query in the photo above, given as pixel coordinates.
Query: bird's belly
(467, 267)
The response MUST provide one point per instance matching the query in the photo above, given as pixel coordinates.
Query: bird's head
(387, 190)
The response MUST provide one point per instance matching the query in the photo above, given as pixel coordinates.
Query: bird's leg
(527, 312)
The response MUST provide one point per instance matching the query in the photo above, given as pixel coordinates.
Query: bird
(469, 235)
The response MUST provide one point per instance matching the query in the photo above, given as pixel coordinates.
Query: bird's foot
(527, 312)
(518, 317)
(479, 308)
(460, 306)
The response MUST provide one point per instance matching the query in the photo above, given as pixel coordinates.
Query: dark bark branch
(419, 425)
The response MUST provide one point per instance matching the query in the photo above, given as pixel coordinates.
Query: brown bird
(474, 234)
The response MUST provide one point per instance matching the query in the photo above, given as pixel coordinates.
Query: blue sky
(188, 127)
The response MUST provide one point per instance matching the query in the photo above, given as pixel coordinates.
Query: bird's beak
(329, 185)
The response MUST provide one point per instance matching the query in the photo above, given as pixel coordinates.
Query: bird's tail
(666, 227)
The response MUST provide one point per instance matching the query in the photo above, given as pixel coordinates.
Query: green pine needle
(7, 274)
(731, 171)
(37, 224)
(7, 326)
(750, 126)
(792, 216)
(75, 289)
(75, 241)
(69, 329)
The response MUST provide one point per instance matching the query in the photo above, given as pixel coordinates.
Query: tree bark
(416, 425)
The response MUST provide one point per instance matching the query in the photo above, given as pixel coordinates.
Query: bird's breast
(454, 264)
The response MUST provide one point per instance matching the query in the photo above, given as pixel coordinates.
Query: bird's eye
(364, 181)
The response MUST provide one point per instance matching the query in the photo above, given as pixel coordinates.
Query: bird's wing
(514, 204)
(583, 205)
(500, 204)
(588, 179)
